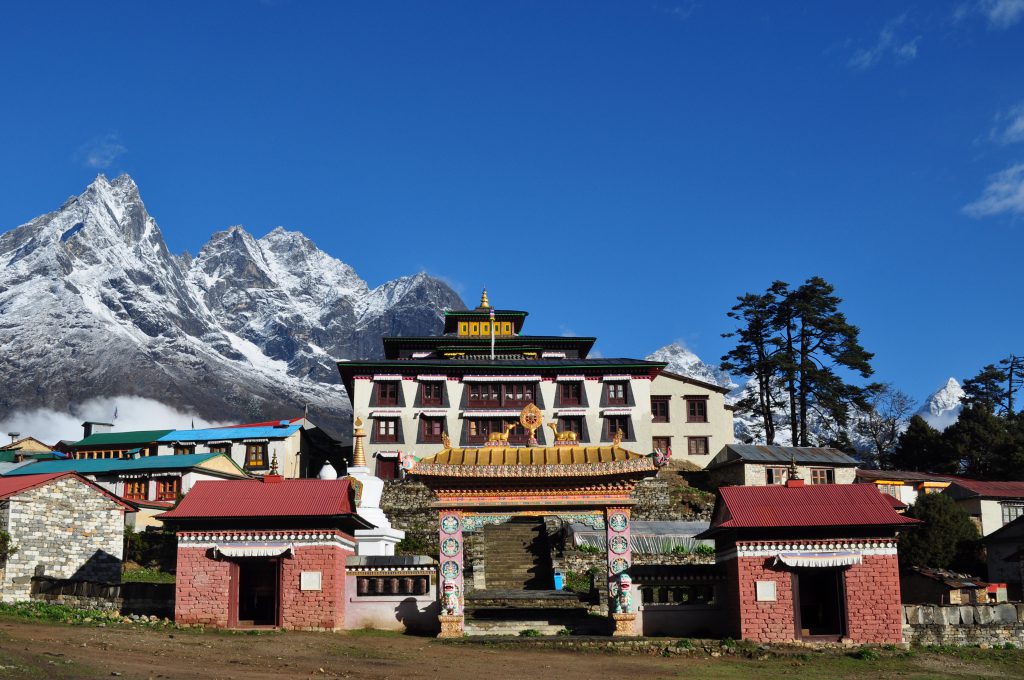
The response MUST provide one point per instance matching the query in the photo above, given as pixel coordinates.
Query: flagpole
(492, 335)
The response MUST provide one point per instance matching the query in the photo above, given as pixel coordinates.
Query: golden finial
(273, 464)
(484, 304)
(358, 455)
(445, 441)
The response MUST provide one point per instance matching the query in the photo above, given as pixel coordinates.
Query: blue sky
(619, 169)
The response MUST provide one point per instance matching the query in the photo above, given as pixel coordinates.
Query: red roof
(10, 486)
(240, 498)
(816, 505)
(991, 489)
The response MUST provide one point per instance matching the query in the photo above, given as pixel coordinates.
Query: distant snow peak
(683, 361)
(943, 407)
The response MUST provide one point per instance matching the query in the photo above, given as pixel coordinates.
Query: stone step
(478, 628)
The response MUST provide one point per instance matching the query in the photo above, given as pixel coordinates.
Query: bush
(588, 549)
(946, 540)
(7, 547)
(704, 550)
(529, 632)
(865, 654)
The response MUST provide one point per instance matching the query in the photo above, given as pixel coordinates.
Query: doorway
(258, 592)
(517, 555)
(820, 599)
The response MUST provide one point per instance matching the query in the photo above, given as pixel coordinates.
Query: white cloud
(133, 413)
(1009, 127)
(101, 152)
(1003, 195)
(1002, 13)
(890, 43)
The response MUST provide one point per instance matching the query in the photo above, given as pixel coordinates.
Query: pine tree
(754, 354)
(1014, 371)
(986, 389)
(921, 448)
(984, 443)
(946, 540)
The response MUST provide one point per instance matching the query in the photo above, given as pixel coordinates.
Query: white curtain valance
(253, 549)
(569, 378)
(387, 377)
(830, 558)
(385, 412)
(625, 411)
(501, 378)
(434, 412)
(484, 413)
(571, 411)
(615, 378)
(431, 378)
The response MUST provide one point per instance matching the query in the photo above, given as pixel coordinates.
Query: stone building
(809, 563)
(268, 552)
(63, 526)
(472, 382)
(759, 465)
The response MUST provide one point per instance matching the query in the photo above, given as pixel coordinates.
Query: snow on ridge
(942, 408)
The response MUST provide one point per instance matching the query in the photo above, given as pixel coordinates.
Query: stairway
(517, 556)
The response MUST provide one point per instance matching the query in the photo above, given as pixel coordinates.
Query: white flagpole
(492, 335)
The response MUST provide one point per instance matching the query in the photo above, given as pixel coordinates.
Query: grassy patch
(146, 575)
(56, 613)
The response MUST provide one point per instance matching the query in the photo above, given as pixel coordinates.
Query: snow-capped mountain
(684, 362)
(92, 304)
(943, 407)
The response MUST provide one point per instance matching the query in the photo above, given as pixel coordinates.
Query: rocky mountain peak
(683, 361)
(942, 408)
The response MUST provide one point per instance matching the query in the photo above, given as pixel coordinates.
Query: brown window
(167, 489)
(481, 428)
(220, 448)
(696, 410)
(617, 393)
(431, 393)
(571, 424)
(484, 394)
(135, 489)
(570, 393)
(697, 446)
(387, 393)
(431, 429)
(615, 423)
(387, 468)
(823, 476)
(661, 443)
(775, 475)
(517, 394)
(387, 430)
(659, 409)
(256, 456)
(183, 449)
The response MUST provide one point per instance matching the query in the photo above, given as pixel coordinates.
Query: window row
(695, 446)
(779, 475)
(167, 489)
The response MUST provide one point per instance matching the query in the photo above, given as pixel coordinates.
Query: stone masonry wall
(407, 504)
(64, 529)
(983, 624)
(322, 609)
(764, 621)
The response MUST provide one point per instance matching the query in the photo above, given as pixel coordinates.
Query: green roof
(121, 438)
(106, 465)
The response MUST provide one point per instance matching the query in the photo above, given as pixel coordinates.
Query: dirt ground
(42, 650)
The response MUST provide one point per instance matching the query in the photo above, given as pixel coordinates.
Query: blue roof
(100, 465)
(225, 433)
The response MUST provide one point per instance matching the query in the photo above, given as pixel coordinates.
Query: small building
(812, 563)
(903, 485)
(757, 465)
(153, 484)
(941, 586)
(1004, 553)
(992, 505)
(63, 526)
(689, 417)
(268, 552)
(9, 453)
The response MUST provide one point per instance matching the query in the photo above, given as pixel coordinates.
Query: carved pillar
(451, 576)
(620, 559)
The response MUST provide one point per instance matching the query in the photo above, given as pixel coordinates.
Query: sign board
(309, 580)
(765, 591)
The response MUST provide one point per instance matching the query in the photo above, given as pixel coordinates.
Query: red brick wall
(872, 600)
(203, 585)
(322, 609)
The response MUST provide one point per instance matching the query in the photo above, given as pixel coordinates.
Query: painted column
(452, 549)
(620, 559)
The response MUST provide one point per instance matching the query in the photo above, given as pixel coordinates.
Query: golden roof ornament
(617, 439)
(273, 464)
(531, 418)
(445, 441)
(484, 303)
(358, 454)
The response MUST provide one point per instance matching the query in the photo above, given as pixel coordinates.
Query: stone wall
(203, 587)
(407, 504)
(653, 502)
(64, 529)
(982, 624)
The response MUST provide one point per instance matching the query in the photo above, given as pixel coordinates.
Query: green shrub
(146, 575)
(685, 644)
(865, 654)
(565, 631)
(529, 632)
(704, 550)
(588, 549)
(45, 611)
(579, 581)
(7, 547)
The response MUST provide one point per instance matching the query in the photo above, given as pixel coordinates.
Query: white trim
(433, 412)
(552, 355)
(619, 411)
(296, 539)
(616, 377)
(569, 378)
(571, 412)
(501, 378)
(253, 549)
(386, 412)
(493, 413)
(828, 558)
(864, 547)
(387, 454)
(422, 355)
(255, 441)
(388, 376)
(437, 378)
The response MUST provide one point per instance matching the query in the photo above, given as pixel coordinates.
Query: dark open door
(819, 603)
(258, 592)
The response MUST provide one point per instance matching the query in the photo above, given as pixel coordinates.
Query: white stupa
(380, 540)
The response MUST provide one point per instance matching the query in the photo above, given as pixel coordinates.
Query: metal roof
(225, 433)
(10, 485)
(902, 476)
(818, 505)
(803, 455)
(117, 438)
(970, 488)
(89, 466)
(259, 498)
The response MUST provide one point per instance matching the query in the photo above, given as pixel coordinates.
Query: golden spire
(358, 455)
(484, 304)
(273, 464)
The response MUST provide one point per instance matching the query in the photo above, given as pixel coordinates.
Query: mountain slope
(92, 303)
(943, 407)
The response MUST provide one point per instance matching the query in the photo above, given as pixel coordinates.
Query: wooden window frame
(569, 399)
(690, 441)
(185, 450)
(131, 494)
(251, 449)
(663, 403)
(388, 393)
(509, 397)
(168, 488)
(694, 414)
(826, 472)
(659, 439)
(617, 385)
(427, 423)
(1007, 514)
(613, 423)
(221, 448)
(775, 470)
(428, 399)
(381, 433)
(478, 390)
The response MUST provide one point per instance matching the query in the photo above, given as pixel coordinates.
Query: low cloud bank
(133, 413)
